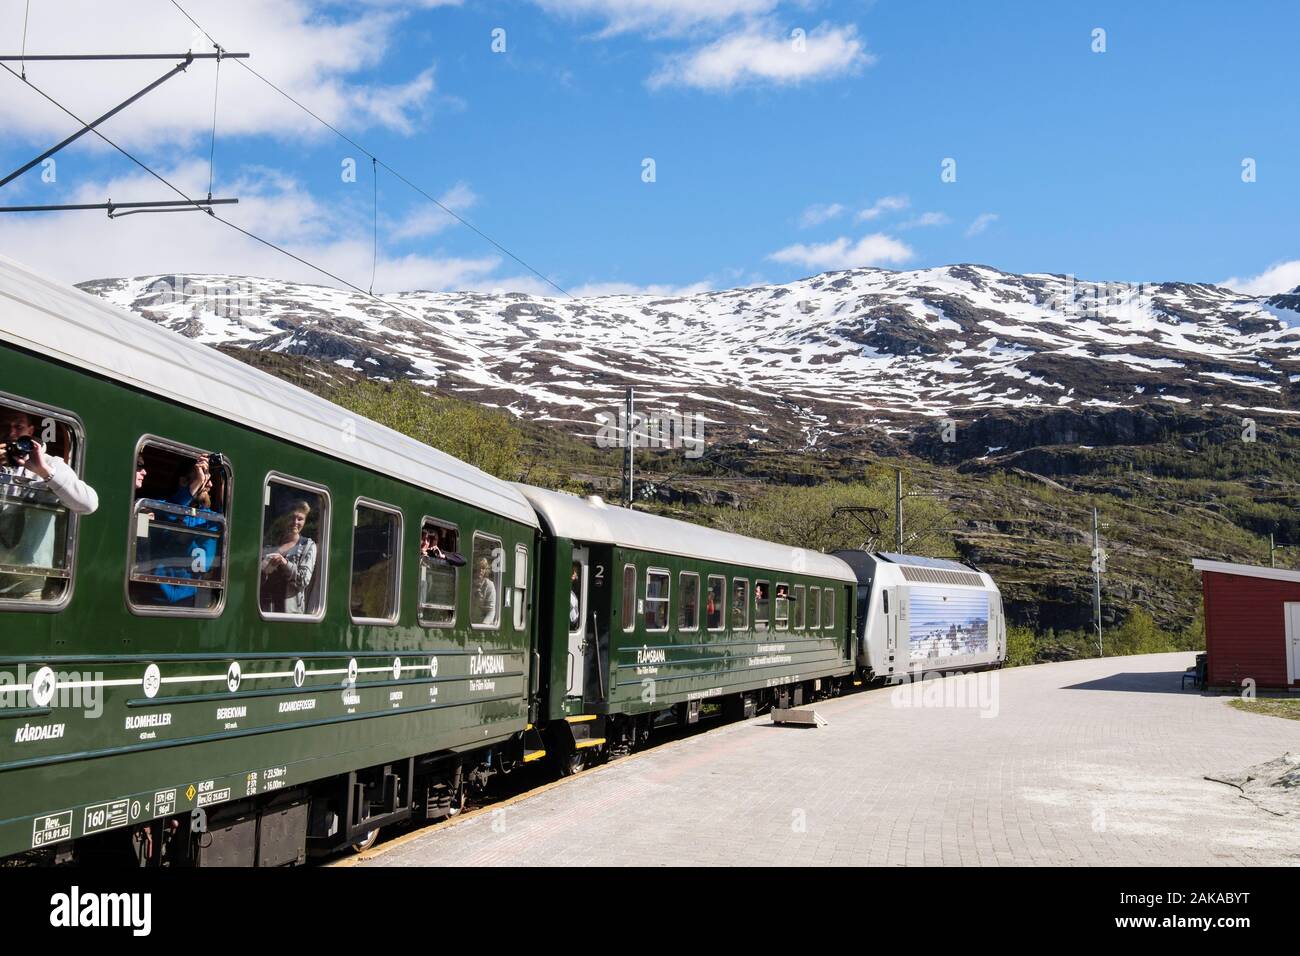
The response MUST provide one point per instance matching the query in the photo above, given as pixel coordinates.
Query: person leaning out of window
(32, 478)
(198, 553)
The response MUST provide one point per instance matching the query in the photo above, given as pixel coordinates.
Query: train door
(578, 622)
(901, 600)
(889, 603)
(998, 624)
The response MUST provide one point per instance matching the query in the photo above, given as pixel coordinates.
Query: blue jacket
(176, 593)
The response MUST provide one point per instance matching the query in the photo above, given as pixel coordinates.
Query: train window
(38, 522)
(376, 563)
(814, 607)
(762, 604)
(797, 599)
(488, 561)
(781, 607)
(440, 561)
(577, 595)
(295, 544)
(629, 597)
(739, 604)
(657, 587)
(716, 603)
(178, 543)
(828, 608)
(885, 596)
(521, 586)
(688, 607)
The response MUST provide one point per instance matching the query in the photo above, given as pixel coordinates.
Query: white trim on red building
(1246, 570)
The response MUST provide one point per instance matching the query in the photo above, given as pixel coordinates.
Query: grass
(1271, 706)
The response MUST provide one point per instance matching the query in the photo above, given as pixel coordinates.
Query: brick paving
(1078, 763)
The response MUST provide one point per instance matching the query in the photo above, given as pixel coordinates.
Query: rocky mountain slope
(806, 362)
(1063, 395)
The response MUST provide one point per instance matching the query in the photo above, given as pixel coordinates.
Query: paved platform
(1079, 763)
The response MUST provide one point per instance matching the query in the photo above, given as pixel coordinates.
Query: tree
(804, 516)
(484, 438)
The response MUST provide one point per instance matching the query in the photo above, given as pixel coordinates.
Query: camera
(18, 448)
(216, 462)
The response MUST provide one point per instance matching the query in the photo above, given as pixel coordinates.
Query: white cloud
(76, 246)
(1279, 277)
(881, 206)
(658, 16)
(924, 220)
(815, 215)
(629, 288)
(844, 253)
(393, 106)
(427, 219)
(758, 54)
(312, 56)
(982, 222)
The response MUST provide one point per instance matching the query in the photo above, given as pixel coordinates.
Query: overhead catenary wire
(25, 16)
(212, 152)
(376, 160)
(199, 204)
(374, 220)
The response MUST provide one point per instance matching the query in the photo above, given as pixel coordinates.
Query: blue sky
(775, 155)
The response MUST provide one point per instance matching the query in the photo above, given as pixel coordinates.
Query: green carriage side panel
(639, 670)
(112, 755)
(650, 670)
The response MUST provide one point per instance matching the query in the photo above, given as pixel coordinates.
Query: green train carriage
(153, 684)
(155, 689)
(655, 621)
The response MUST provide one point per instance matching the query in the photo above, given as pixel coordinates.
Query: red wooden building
(1252, 625)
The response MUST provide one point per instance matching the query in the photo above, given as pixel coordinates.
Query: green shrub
(484, 438)
(1022, 646)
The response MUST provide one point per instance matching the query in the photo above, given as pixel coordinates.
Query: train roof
(916, 561)
(594, 520)
(71, 326)
(915, 568)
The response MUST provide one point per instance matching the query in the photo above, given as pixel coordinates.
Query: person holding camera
(32, 477)
(197, 553)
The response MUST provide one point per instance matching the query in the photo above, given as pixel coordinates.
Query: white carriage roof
(590, 519)
(71, 326)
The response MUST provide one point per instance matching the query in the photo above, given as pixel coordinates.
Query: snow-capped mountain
(819, 356)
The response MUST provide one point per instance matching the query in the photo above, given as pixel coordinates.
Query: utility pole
(898, 510)
(1272, 561)
(1098, 565)
(629, 437)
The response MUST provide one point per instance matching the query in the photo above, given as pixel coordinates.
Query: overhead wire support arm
(50, 57)
(186, 60)
(164, 205)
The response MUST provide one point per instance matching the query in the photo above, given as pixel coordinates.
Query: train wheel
(367, 841)
(570, 764)
(457, 802)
